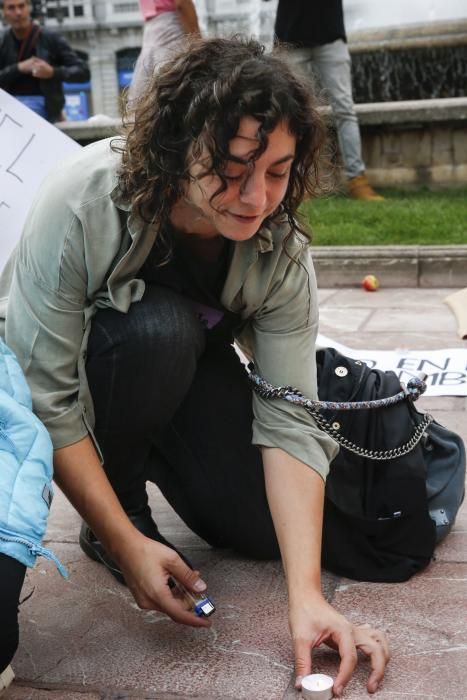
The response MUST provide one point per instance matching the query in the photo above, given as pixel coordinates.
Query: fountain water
(429, 72)
(400, 50)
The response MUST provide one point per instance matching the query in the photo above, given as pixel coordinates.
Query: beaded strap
(415, 387)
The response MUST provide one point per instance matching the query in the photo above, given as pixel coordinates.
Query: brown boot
(360, 188)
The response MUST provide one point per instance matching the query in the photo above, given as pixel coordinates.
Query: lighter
(200, 603)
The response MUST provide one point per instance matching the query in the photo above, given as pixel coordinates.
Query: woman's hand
(147, 567)
(315, 622)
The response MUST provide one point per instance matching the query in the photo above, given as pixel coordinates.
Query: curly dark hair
(194, 102)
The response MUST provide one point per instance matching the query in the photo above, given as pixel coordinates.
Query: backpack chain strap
(415, 387)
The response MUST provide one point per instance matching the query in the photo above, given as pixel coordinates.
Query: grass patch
(403, 218)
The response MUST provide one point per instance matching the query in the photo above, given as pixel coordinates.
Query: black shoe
(142, 520)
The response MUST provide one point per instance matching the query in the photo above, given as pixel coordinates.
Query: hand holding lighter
(200, 603)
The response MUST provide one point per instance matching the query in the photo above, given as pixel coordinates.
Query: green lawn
(404, 218)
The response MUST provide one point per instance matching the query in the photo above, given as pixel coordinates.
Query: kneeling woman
(142, 258)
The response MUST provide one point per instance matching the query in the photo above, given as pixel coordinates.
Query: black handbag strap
(28, 44)
(415, 387)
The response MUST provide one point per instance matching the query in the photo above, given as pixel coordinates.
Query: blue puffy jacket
(25, 468)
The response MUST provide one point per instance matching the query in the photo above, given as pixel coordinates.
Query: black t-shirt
(25, 84)
(308, 23)
(196, 268)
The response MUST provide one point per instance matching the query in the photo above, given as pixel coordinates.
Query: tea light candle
(317, 686)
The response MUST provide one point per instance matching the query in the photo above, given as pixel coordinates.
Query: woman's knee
(162, 322)
(157, 345)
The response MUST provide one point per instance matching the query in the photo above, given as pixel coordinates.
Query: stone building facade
(109, 33)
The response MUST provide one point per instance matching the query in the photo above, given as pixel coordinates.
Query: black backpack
(396, 485)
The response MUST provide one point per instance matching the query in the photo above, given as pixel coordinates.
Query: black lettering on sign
(452, 378)
(5, 119)
(408, 363)
(12, 168)
(422, 364)
(15, 161)
(7, 116)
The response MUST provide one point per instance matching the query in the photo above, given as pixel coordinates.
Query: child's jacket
(25, 468)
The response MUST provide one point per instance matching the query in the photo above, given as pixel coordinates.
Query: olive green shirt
(82, 249)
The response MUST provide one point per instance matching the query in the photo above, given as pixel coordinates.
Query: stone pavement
(85, 639)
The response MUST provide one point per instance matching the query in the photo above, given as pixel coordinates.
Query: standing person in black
(315, 32)
(35, 61)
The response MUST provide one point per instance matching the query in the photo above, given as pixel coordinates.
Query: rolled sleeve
(283, 343)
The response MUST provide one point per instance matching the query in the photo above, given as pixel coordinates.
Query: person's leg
(142, 369)
(140, 366)
(332, 65)
(206, 466)
(12, 574)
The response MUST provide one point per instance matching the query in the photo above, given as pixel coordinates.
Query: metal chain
(418, 386)
(379, 455)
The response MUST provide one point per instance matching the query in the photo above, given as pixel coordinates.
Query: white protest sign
(446, 368)
(29, 147)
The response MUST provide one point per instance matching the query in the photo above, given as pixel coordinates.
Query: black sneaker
(143, 522)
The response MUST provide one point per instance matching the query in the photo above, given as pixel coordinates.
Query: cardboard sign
(446, 369)
(29, 148)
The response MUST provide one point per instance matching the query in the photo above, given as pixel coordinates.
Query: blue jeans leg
(331, 64)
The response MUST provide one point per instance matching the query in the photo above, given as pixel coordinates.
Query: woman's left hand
(315, 622)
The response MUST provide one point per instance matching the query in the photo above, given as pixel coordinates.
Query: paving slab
(426, 624)
(398, 310)
(423, 319)
(389, 319)
(17, 692)
(334, 316)
(385, 298)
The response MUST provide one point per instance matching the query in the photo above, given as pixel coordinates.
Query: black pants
(174, 407)
(11, 580)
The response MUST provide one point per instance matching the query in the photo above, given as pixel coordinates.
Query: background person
(140, 261)
(315, 32)
(166, 24)
(34, 61)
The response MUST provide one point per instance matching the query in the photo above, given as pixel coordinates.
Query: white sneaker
(6, 678)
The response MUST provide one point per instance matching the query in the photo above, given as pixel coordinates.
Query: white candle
(317, 686)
